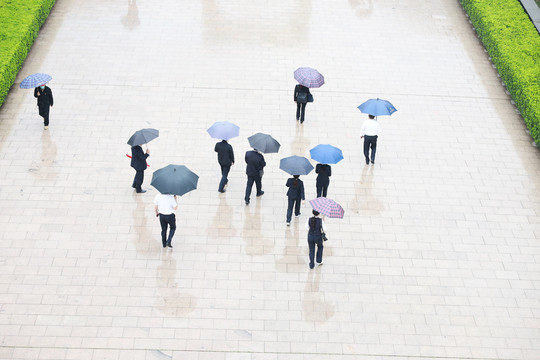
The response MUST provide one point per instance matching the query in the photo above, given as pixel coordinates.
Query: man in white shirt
(165, 205)
(370, 132)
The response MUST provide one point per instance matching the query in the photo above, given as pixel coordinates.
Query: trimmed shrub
(21, 21)
(514, 46)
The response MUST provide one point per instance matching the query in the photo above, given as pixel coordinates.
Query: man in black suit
(323, 179)
(44, 102)
(254, 171)
(138, 162)
(225, 155)
(301, 97)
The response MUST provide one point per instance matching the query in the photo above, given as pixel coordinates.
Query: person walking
(165, 205)
(45, 101)
(301, 97)
(225, 156)
(138, 162)
(254, 171)
(315, 226)
(370, 132)
(323, 179)
(294, 195)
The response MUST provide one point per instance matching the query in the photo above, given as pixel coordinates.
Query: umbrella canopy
(264, 143)
(174, 179)
(223, 130)
(309, 77)
(327, 207)
(377, 107)
(143, 136)
(326, 154)
(35, 80)
(295, 165)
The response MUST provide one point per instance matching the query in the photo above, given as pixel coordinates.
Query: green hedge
(20, 22)
(514, 46)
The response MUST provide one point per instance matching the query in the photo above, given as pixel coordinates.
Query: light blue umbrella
(35, 80)
(377, 107)
(326, 154)
(295, 165)
(223, 130)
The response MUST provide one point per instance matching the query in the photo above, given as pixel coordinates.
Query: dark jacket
(295, 191)
(225, 153)
(255, 162)
(324, 171)
(46, 98)
(300, 89)
(138, 158)
(315, 231)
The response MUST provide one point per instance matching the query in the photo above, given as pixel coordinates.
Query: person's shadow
(169, 299)
(300, 144)
(314, 308)
(222, 225)
(131, 19)
(292, 252)
(361, 8)
(255, 243)
(364, 200)
(144, 242)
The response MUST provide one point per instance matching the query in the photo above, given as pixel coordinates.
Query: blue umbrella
(143, 136)
(326, 154)
(264, 143)
(377, 107)
(174, 179)
(295, 165)
(35, 80)
(223, 130)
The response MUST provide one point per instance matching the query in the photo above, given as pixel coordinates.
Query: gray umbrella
(143, 136)
(264, 143)
(295, 165)
(174, 179)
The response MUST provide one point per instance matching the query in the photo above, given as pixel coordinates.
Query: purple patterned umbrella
(309, 77)
(327, 207)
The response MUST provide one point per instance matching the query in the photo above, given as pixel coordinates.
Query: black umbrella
(174, 179)
(143, 136)
(264, 143)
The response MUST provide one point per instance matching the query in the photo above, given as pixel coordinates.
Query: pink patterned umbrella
(327, 207)
(308, 77)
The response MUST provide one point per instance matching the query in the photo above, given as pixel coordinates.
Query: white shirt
(371, 127)
(322, 223)
(166, 204)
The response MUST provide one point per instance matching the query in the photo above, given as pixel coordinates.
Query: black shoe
(373, 163)
(301, 121)
(141, 192)
(260, 194)
(222, 191)
(164, 245)
(247, 202)
(169, 245)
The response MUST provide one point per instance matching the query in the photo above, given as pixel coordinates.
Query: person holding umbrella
(370, 132)
(294, 195)
(301, 97)
(316, 227)
(138, 162)
(225, 156)
(44, 97)
(323, 179)
(165, 205)
(254, 170)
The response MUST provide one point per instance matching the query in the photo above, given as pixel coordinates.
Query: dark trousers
(296, 208)
(138, 180)
(167, 220)
(224, 173)
(300, 111)
(312, 241)
(322, 190)
(44, 113)
(258, 184)
(370, 142)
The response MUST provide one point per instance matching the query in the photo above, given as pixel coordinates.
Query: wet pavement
(438, 255)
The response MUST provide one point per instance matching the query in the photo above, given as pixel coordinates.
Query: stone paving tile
(438, 254)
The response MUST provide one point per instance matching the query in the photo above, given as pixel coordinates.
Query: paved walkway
(438, 255)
